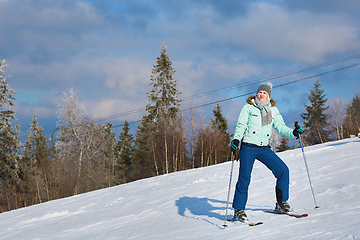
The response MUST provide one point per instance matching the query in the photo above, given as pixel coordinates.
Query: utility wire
(253, 92)
(280, 85)
(335, 61)
(246, 94)
(239, 86)
(316, 66)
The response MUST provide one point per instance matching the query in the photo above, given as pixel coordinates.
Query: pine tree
(352, 119)
(34, 160)
(220, 125)
(315, 117)
(145, 162)
(126, 148)
(164, 93)
(109, 155)
(220, 122)
(9, 142)
(164, 105)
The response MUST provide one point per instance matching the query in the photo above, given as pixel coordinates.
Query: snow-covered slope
(191, 204)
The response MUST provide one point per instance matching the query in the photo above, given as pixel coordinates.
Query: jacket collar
(250, 100)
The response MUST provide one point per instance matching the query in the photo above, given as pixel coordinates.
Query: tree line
(83, 155)
(324, 122)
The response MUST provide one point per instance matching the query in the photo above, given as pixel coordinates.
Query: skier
(253, 130)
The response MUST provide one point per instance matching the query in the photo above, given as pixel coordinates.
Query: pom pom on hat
(267, 87)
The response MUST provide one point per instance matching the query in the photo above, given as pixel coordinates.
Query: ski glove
(297, 131)
(234, 145)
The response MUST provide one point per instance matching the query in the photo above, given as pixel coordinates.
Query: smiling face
(262, 96)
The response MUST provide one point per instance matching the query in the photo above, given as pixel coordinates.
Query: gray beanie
(267, 87)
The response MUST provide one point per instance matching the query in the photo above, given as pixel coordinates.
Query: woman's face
(262, 96)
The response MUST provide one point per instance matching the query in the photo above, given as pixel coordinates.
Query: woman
(253, 130)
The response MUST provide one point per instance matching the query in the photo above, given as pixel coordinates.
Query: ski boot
(282, 207)
(240, 215)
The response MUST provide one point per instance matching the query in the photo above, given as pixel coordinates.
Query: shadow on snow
(202, 208)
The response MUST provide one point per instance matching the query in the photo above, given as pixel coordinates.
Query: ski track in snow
(191, 204)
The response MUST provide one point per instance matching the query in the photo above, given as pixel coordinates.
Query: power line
(247, 94)
(239, 86)
(276, 76)
(316, 66)
(281, 85)
(277, 86)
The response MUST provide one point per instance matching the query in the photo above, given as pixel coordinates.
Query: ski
(291, 214)
(246, 222)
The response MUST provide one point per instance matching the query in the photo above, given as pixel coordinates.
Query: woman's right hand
(234, 144)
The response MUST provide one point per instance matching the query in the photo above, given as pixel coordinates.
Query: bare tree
(274, 140)
(337, 113)
(77, 137)
(192, 123)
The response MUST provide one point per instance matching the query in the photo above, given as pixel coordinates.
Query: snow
(191, 204)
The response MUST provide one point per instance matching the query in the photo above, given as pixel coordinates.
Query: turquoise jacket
(250, 130)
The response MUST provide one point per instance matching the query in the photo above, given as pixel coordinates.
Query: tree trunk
(317, 128)
(209, 156)
(166, 155)
(215, 159)
(46, 186)
(37, 186)
(176, 156)
(154, 156)
(202, 147)
(193, 139)
(79, 173)
(166, 150)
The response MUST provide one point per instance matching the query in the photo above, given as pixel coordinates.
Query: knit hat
(267, 87)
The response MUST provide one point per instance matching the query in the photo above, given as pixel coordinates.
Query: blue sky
(107, 49)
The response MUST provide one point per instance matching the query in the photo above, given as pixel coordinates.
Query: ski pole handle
(296, 131)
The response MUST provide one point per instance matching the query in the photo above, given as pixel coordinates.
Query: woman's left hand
(297, 131)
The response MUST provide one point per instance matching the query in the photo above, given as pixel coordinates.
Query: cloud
(116, 109)
(107, 49)
(47, 31)
(234, 70)
(126, 82)
(29, 110)
(298, 36)
(195, 77)
(129, 75)
(51, 16)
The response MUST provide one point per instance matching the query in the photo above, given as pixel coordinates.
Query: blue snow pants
(248, 154)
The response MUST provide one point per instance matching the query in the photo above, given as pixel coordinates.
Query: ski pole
(228, 196)
(307, 169)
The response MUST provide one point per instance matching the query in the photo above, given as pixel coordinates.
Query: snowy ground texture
(191, 204)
